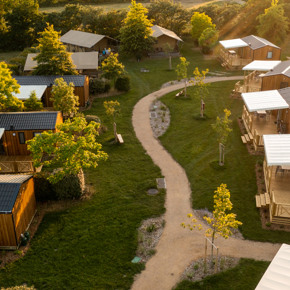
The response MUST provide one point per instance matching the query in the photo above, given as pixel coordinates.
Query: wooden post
(217, 259)
(205, 254)
(222, 154)
(115, 132)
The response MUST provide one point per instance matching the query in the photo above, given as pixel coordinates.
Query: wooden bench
(180, 93)
(247, 137)
(244, 139)
(251, 136)
(120, 139)
(258, 201)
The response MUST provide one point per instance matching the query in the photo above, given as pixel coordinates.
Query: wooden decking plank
(243, 139)
(263, 201)
(247, 137)
(267, 198)
(258, 201)
(251, 136)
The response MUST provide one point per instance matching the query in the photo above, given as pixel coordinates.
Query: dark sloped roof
(282, 68)
(77, 80)
(256, 42)
(285, 93)
(9, 188)
(28, 121)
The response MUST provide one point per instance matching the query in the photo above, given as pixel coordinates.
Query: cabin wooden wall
(7, 233)
(245, 52)
(274, 82)
(261, 53)
(162, 43)
(104, 43)
(24, 207)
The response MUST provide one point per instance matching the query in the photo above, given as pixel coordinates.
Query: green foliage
(112, 108)
(99, 86)
(111, 67)
(123, 83)
(136, 33)
(63, 97)
(19, 288)
(69, 150)
(43, 188)
(208, 39)
(53, 59)
(181, 71)
(222, 127)
(273, 24)
(199, 22)
(8, 87)
(33, 104)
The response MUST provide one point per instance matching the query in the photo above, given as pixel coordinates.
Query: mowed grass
(193, 143)
(91, 245)
(246, 275)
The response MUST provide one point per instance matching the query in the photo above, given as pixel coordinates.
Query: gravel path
(177, 246)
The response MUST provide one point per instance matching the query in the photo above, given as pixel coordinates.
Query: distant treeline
(48, 3)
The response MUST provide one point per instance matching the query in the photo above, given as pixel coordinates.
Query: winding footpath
(177, 246)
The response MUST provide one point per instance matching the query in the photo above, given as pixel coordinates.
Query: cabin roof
(285, 93)
(81, 38)
(9, 188)
(28, 121)
(77, 80)
(277, 149)
(262, 65)
(26, 90)
(283, 68)
(82, 60)
(158, 31)
(277, 275)
(233, 43)
(264, 100)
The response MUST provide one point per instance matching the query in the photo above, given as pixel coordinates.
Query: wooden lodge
(164, 38)
(15, 130)
(86, 63)
(277, 178)
(236, 53)
(265, 112)
(17, 208)
(80, 41)
(81, 84)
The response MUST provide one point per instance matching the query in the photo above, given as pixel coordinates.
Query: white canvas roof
(82, 60)
(25, 92)
(262, 65)
(264, 100)
(1, 132)
(158, 31)
(277, 149)
(233, 43)
(277, 276)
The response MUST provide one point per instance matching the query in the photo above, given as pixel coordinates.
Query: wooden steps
(262, 200)
(281, 221)
(247, 138)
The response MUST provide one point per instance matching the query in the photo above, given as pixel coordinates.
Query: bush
(99, 86)
(123, 83)
(43, 188)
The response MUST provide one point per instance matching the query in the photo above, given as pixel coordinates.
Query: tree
(112, 68)
(222, 222)
(63, 97)
(136, 33)
(8, 87)
(33, 104)
(199, 22)
(168, 49)
(200, 87)
(273, 24)
(53, 59)
(181, 71)
(222, 128)
(208, 39)
(112, 110)
(70, 149)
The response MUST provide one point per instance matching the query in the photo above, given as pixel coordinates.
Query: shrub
(99, 86)
(43, 188)
(123, 83)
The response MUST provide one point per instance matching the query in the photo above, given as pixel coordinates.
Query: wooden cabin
(236, 53)
(265, 112)
(277, 178)
(80, 82)
(15, 130)
(86, 63)
(165, 37)
(80, 41)
(17, 208)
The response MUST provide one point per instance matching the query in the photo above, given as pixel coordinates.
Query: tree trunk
(170, 64)
(185, 87)
(212, 243)
(222, 154)
(201, 108)
(115, 131)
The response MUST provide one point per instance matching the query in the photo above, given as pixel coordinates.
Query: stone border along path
(178, 246)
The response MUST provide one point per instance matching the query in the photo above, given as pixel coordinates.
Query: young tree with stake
(112, 110)
(181, 71)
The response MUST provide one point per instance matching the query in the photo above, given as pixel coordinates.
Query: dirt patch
(159, 118)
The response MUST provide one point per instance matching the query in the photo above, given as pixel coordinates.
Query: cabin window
(270, 54)
(21, 137)
(36, 134)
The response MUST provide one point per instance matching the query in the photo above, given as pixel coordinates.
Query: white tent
(262, 65)
(277, 150)
(233, 43)
(264, 100)
(277, 276)
(25, 92)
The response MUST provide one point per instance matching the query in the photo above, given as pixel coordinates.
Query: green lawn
(192, 142)
(246, 275)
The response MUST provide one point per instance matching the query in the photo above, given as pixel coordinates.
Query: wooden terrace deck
(16, 164)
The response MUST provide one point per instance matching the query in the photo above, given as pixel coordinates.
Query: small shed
(85, 41)
(80, 82)
(17, 208)
(163, 37)
(277, 275)
(278, 77)
(85, 62)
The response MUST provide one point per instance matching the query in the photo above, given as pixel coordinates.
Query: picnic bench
(120, 138)
(180, 93)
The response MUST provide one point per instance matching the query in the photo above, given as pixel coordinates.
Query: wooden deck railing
(16, 164)
(234, 61)
(278, 210)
